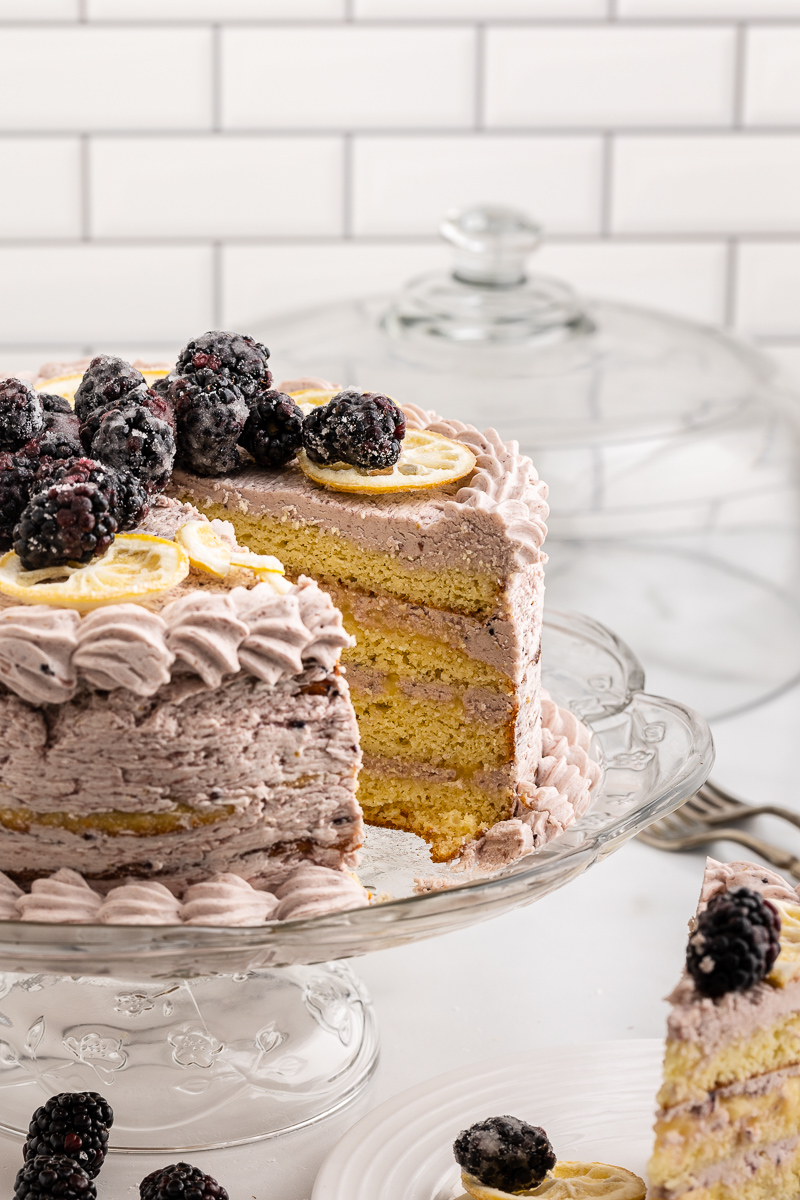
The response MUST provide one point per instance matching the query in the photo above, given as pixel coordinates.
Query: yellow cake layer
(393, 725)
(444, 814)
(689, 1073)
(686, 1144)
(418, 657)
(309, 550)
(115, 823)
(770, 1182)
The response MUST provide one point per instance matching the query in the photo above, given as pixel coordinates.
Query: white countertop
(588, 963)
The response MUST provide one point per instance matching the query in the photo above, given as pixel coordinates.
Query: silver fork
(702, 819)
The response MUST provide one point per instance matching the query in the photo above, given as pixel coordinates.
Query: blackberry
(211, 413)
(106, 379)
(166, 411)
(53, 1177)
(69, 522)
(364, 429)
(75, 1124)
(127, 495)
(734, 944)
(21, 414)
(505, 1153)
(130, 437)
(155, 404)
(181, 1181)
(18, 476)
(59, 437)
(244, 359)
(274, 430)
(54, 404)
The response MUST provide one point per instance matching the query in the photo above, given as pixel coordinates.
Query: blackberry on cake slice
(53, 1177)
(75, 1124)
(68, 523)
(180, 1181)
(242, 359)
(734, 944)
(211, 412)
(127, 495)
(361, 428)
(274, 430)
(21, 414)
(106, 380)
(129, 436)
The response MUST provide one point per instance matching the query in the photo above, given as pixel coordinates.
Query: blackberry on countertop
(18, 479)
(211, 413)
(75, 1124)
(734, 944)
(53, 1177)
(505, 1153)
(274, 430)
(130, 437)
(59, 437)
(181, 1181)
(243, 358)
(106, 379)
(54, 404)
(21, 414)
(127, 495)
(70, 522)
(361, 428)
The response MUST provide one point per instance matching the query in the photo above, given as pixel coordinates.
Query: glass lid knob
(491, 243)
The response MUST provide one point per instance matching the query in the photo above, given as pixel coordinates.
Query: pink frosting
(227, 900)
(140, 902)
(37, 646)
(276, 638)
(565, 776)
(123, 645)
(205, 632)
(9, 894)
(312, 891)
(64, 897)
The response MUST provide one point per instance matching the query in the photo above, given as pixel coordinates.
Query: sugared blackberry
(18, 476)
(21, 414)
(211, 413)
(59, 437)
(106, 379)
(130, 437)
(53, 1177)
(181, 1181)
(244, 359)
(734, 944)
(364, 429)
(274, 430)
(505, 1153)
(127, 495)
(54, 404)
(159, 407)
(75, 1124)
(70, 522)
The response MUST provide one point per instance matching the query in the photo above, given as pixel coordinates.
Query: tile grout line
(216, 284)
(85, 175)
(347, 187)
(607, 184)
(480, 75)
(739, 75)
(216, 78)
(731, 282)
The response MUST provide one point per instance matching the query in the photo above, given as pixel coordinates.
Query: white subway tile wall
(181, 164)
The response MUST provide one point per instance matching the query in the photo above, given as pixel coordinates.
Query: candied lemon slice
(264, 566)
(67, 385)
(787, 965)
(207, 551)
(571, 1181)
(310, 398)
(134, 567)
(427, 460)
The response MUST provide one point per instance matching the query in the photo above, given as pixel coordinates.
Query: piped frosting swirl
(37, 647)
(9, 894)
(311, 891)
(123, 645)
(64, 897)
(140, 902)
(227, 900)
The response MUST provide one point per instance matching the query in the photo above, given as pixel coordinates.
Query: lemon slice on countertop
(207, 551)
(571, 1181)
(67, 385)
(135, 567)
(427, 460)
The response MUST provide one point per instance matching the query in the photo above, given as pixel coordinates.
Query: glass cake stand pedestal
(204, 1038)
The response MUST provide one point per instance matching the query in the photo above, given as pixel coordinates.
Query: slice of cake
(442, 589)
(728, 1127)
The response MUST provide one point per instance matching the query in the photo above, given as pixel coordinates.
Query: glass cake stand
(202, 1038)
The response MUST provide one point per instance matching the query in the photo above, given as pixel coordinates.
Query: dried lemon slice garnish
(310, 398)
(67, 385)
(264, 566)
(570, 1181)
(207, 552)
(427, 460)
(135, 567)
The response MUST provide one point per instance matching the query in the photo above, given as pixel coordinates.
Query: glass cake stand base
(189, 1063)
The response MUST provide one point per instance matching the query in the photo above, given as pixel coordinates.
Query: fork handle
(773, 854)
(748, 810)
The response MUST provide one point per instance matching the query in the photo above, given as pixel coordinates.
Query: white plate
(596, 1103)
